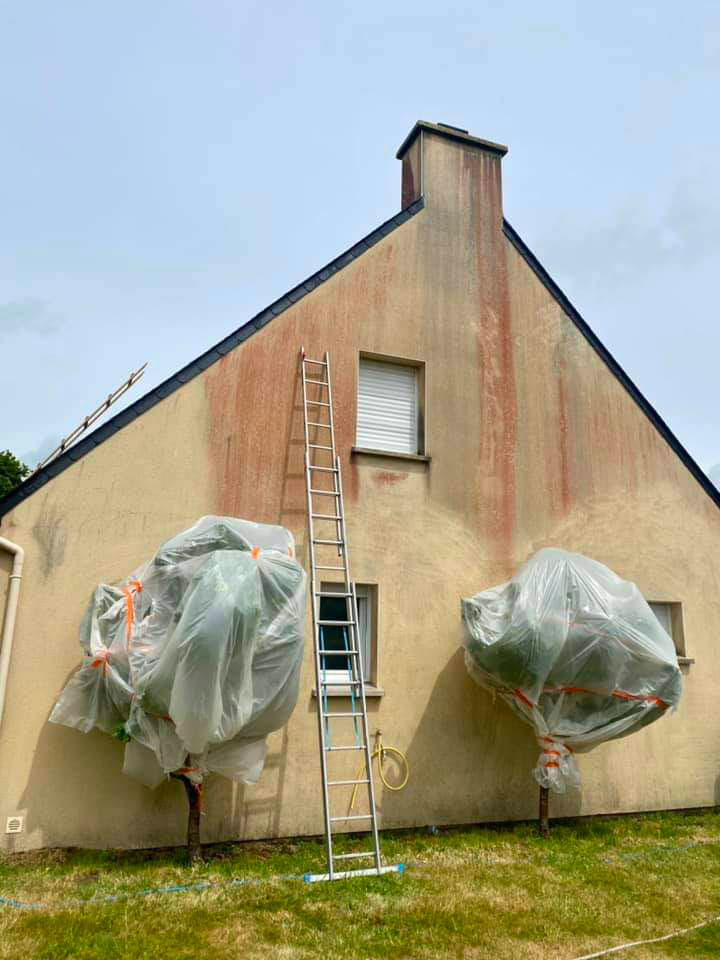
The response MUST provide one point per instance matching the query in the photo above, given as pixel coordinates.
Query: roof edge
(650, 412)
(205, 360)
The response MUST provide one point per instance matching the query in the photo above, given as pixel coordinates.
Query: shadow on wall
(77, 795)
(470, 760)
(242, 812)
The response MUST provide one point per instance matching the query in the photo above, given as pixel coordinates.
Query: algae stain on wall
(50, 534)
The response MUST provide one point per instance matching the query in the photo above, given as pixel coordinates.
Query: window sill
(685, 661)
(391, 454)
(370, 691)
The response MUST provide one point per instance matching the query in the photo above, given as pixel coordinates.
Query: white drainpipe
(10, 612)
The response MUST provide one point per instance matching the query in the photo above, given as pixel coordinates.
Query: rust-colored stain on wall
(496, 357)
(259, 471)
(257, 466)
(387, 478)
(563, 444)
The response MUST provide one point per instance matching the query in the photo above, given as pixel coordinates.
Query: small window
(388, 407)
(338, 638)
(669, 616)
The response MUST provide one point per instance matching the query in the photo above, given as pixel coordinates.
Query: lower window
(669, 615)
(336, 668)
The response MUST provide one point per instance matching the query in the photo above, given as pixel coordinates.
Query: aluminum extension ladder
(325, 506)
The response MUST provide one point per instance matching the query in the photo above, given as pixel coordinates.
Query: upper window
(669, 616)
(388, 407)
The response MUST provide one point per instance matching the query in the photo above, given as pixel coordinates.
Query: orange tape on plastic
(102, 659)
(619, 694)
(523, 699)
(135, 586)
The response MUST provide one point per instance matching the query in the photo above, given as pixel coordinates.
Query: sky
(168, 169)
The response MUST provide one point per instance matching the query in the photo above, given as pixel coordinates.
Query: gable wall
(533, 443)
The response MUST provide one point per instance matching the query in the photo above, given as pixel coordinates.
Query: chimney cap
(450, 126)
(451, 133)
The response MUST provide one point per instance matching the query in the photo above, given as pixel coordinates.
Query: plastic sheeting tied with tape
(576, 652)
(197, 655)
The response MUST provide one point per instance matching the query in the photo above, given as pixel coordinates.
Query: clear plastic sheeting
(196, 656)
(576, 652)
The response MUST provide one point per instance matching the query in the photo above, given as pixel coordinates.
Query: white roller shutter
(387, 407)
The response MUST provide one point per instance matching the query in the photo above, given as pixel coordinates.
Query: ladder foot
(348, 874)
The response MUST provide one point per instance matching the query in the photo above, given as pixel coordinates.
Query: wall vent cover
(14, 825)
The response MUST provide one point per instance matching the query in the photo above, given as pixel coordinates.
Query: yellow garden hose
(381, 751)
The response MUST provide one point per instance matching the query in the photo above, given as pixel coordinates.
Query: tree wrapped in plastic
(576, 652)
(195, 658)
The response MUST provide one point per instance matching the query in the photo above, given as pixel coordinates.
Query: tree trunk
(194, 798)
(544, 816)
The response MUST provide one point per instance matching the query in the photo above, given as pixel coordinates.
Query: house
(478, 419)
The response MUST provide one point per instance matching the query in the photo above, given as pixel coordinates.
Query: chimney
(455, 172)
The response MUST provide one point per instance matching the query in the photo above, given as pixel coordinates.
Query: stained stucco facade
(532, 441)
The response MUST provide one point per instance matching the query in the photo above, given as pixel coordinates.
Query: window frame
(677, 627)
(367, 593)
(420, 405)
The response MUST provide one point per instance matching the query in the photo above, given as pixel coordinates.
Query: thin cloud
(28, 315)
(637, 242)
(33, 457)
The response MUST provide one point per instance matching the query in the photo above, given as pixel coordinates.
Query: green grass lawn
(471, 892)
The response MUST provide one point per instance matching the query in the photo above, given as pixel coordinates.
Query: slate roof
(211, 356)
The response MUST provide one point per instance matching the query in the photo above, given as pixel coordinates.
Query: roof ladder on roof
(325, 509)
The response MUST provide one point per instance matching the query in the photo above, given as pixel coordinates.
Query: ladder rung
(324, 469)
(331, 593)
(338, 653)
(343, 783)
(353, 856)
(339, 683)
(323, 383)
(328, 426)
(316, 403)
(333, 749)
(336, 623)
(344, 714)
(355, 816)
(325, 516)
(319, 446)
(319, 566)
(322, 363)
(334, 543)
(327, 493)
